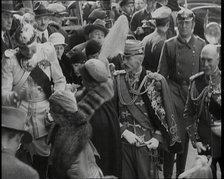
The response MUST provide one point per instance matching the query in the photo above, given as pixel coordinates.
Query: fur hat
(66, 99)
(78, 57)
(94, 70)
(92, 47)
(25, 34)
(133, 47)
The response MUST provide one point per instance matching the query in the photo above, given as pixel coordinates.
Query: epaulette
(196, 75)
(10, 52)
(119, 72)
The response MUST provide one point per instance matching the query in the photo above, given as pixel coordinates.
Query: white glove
(200, 147)
(153, 143)
(130, 137)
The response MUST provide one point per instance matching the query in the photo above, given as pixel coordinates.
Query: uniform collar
(182, 42)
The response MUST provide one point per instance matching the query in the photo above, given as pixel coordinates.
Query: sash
(21, 82)
(133, 109)
(42, 80)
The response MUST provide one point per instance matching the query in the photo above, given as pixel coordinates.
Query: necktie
(6, 40)
(43, 39)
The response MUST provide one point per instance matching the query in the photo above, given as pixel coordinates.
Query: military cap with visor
(162, 15)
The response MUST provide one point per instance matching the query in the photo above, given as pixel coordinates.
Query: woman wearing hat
(58, 40)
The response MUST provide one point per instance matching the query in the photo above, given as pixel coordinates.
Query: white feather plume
(114, 42)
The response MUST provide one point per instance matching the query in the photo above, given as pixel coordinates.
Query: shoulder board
(118, 72)
(10, 52)
(193, 77)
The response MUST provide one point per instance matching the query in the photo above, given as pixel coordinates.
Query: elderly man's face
(59, 50)
(42, 22)
(6, 21)
(209, 60)
(185, 28)
(132, 63)
(28, 50)
(97, 35)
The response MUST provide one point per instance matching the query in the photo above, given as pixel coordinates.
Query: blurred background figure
(127, 8)
(13, 134)
(42, 16)
(58, 40)
(57, 19)
(139, 4)
(141, 24)
(7, 17)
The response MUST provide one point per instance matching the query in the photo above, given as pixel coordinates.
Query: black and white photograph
(111, 89)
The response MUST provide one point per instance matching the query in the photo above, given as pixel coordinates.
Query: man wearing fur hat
(14, 133)
(27, 73)
(180, 59)
(147, 116)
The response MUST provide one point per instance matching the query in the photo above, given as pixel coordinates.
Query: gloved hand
(131, 137)
(200, 147)
(153, 143)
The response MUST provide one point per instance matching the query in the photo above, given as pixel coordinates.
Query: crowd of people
(119, 101)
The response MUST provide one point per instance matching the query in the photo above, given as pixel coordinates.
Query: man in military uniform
(203, 108)
(27, 75)
(178, 61)
(143, 100)
(154, 42)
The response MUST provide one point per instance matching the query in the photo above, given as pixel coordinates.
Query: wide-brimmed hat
(56, 8)
(7, 6)
(15, 119)
(57, 39)
(40, 10)
(98, 24)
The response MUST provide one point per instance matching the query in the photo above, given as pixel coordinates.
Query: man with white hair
(203, 107)
(27, 76)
